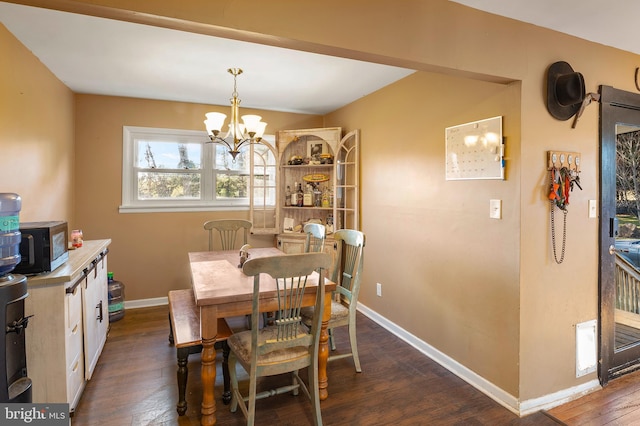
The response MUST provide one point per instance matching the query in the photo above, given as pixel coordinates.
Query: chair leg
(314, 393)
(170, 331)
(251, 411)
(332, 342)
(354, 346)
(236, 396)
(226, 394)
(183, 373)
(234, 386)
(295, 381)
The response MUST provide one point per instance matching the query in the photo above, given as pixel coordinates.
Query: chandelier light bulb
(214, 122)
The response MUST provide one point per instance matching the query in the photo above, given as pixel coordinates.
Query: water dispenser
(15, 386)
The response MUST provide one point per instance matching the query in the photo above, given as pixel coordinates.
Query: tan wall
(36, 134)
(149, 250)
(443, 36)
(449, 273)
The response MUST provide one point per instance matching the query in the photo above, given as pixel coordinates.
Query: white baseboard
(510, 402)
(146, 303)
(547, 402)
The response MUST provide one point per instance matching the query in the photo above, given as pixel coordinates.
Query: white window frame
(130, 202)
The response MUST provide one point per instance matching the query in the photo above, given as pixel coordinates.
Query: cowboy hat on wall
(565, 90)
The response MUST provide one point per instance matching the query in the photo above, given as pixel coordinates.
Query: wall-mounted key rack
(563, 159)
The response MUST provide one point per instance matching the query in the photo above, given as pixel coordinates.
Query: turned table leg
(323, 351)
(209, 331)
(208, 362)
(183, 374)
(226, 394)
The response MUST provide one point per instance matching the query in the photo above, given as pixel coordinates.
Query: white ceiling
(611, 23)
(109, 57)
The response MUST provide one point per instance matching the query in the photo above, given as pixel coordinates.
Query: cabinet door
(294, 243)
(347, 177)
(96, 313)
(54, 315)
(263, 190)
(290, 245)
(74, 349)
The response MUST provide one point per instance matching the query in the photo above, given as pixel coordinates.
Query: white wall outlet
(379, 289)
(495, 209)
(593, 209)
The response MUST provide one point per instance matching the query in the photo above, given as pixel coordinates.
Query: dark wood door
(619, 328)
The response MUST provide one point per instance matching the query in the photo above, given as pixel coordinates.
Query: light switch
(593, 209)
(495, 209)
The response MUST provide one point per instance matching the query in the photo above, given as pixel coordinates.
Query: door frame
(616, 106)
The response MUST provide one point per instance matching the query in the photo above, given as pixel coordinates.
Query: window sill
(175, 209)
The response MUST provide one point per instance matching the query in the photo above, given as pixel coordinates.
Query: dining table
(222, 290)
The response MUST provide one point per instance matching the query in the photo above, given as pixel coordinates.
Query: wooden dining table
(222, 290)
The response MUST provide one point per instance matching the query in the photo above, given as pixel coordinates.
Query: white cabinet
(95, 299)
(73, 346)
(334, 171)
(65, 335)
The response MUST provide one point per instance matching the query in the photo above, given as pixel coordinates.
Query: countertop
(79, 259)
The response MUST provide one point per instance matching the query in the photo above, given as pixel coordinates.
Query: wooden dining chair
(315, 236)
(228, 232)
(286, 346)
(347, 274)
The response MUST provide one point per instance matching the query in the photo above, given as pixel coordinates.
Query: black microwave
(43, 247)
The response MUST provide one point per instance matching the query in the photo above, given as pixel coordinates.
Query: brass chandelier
(249, 131)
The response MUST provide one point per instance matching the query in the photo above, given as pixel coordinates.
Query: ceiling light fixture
(250, 131)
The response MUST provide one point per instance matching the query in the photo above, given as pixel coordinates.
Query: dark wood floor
(616, 404)
(135, 384)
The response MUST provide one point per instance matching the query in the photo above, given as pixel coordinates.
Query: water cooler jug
(15, 386)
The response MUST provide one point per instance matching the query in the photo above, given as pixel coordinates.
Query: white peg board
(475, 150)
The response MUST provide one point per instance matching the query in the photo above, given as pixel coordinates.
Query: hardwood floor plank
(616, 404)
(135, 384)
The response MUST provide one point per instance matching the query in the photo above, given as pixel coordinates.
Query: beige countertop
(79, 259)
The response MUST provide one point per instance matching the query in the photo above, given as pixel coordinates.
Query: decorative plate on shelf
(315, 178)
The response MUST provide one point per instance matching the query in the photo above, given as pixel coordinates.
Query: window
(177, 170)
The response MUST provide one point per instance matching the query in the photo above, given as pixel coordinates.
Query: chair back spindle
(315, 236)
(347, 274)
(228, 232)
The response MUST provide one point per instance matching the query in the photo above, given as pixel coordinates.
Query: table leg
(323, 350)
(209, 330)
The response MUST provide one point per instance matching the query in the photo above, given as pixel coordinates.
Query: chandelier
(249, 131)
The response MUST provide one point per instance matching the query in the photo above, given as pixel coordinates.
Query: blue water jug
(10, 205)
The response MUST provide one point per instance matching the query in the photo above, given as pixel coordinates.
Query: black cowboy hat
(565, 90)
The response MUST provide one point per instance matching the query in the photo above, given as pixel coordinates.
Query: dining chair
(347, 274)
(315, 236)
(286, 346)
(228, 232)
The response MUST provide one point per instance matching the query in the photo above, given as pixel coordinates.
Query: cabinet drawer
(74, 344)
(73, 331)
(74, 309)
(75, 379)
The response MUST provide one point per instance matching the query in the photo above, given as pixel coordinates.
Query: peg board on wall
(475, 150)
